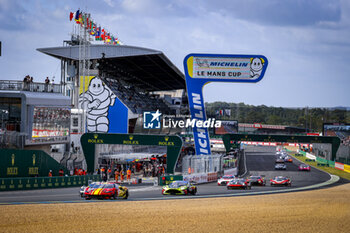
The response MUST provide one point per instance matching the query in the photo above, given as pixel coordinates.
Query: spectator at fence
(50, 173)
(47, 82)
(26, 82)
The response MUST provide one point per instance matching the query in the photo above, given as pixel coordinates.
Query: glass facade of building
(10, 113)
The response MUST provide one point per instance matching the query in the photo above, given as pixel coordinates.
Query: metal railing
(201, 164)
(11, 139)
(32, 86)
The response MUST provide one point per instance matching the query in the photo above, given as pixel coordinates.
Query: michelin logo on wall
(100, 104)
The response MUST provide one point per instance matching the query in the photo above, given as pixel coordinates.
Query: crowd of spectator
(154, 166)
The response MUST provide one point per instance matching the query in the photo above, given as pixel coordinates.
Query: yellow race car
(179, 188)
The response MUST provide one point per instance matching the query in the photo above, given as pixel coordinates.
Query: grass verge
(330, 170)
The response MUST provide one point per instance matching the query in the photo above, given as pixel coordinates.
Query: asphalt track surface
(258, 163)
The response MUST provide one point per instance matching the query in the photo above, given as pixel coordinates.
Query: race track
(258, 163)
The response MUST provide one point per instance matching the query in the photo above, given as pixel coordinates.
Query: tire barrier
(25, 183)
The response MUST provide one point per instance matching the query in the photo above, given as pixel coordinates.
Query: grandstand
(137, 76)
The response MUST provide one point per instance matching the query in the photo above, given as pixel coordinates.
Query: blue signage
(201, 69)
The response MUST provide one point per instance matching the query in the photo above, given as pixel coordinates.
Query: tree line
(311, 118)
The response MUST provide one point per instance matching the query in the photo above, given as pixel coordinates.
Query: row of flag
(100, 34)
(223, 112)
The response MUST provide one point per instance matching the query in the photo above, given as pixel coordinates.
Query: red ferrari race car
(238, 184)
(256, 180)
(288, 159)
(107, 191)
(225, 179)
(304, 167)
(280, 181)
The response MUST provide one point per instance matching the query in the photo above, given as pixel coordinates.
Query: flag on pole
(71, 15)
(77, 15)
(228, 112)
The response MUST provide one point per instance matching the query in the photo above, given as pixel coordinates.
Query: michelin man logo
(96, 101)
(256, 66)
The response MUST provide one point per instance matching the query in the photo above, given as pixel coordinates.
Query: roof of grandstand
(136, 65)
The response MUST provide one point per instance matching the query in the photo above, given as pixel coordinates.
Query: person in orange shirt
(128, 174)
(50, 173)
(109, 171)
(116, 175)
(122, 175)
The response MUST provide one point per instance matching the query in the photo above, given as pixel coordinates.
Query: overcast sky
(307, 42)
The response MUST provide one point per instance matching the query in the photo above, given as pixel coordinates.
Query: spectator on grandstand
(47, 82)
(26, 81)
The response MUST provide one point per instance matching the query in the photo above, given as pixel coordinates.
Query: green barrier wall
(319, 160)
(164, 180)
(27, 163)
(12, 184)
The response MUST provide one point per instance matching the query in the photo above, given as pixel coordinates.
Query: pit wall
(322, 161)
(28, 163)
(26, 183)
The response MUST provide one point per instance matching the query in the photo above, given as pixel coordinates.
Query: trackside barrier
(325, 162)
(331, 163)
(164, 180)
(201, 178)
(339, 166)
(25, 183)
(213, 176)
(347, 168)
(232, 171)
(198, 178)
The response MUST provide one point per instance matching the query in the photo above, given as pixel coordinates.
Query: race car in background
(280, 181)
(238, 184)
(279, 160)
(225, 179)
(107, 191)
(256, 180)
(179, 188)
(288, 159)
(280, 166)
(304, 167)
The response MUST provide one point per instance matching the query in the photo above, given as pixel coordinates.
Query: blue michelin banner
(201, 69)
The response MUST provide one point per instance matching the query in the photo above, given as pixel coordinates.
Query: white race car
(225, 179)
